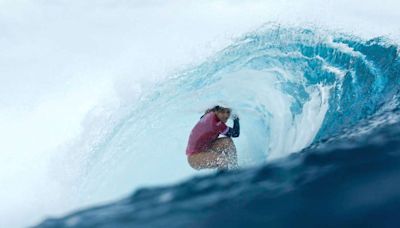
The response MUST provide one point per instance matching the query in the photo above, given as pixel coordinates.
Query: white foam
(292, 135)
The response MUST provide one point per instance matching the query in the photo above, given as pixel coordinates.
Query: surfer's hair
(216, 108)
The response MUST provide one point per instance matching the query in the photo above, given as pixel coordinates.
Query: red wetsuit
(204, 132)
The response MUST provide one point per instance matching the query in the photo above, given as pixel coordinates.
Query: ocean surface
(321, 107)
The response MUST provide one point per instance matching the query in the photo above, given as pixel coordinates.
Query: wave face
(332, 96)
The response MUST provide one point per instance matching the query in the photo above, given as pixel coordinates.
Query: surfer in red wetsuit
(205, 149)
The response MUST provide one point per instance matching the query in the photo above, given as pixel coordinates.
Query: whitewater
(98, 98)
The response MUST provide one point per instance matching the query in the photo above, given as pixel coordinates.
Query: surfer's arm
(233, 131)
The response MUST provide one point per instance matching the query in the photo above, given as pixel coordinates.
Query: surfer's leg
(226, 148)
(221, 155)
(207, 160)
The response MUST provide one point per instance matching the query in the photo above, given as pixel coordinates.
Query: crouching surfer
(205, 150)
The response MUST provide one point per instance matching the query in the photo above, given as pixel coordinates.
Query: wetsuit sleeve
(233, 131)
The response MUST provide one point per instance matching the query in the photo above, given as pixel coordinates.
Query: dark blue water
(348, 176)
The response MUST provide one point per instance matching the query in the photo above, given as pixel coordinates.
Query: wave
(292, 87)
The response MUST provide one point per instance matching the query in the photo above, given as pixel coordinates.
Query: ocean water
(98, 100)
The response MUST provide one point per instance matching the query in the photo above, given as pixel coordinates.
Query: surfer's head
(223, 113)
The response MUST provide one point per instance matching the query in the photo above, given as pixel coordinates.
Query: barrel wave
(312, 104)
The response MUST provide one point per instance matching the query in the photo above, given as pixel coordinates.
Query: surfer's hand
(235, 116)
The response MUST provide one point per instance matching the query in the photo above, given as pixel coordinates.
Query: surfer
(205, 149)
